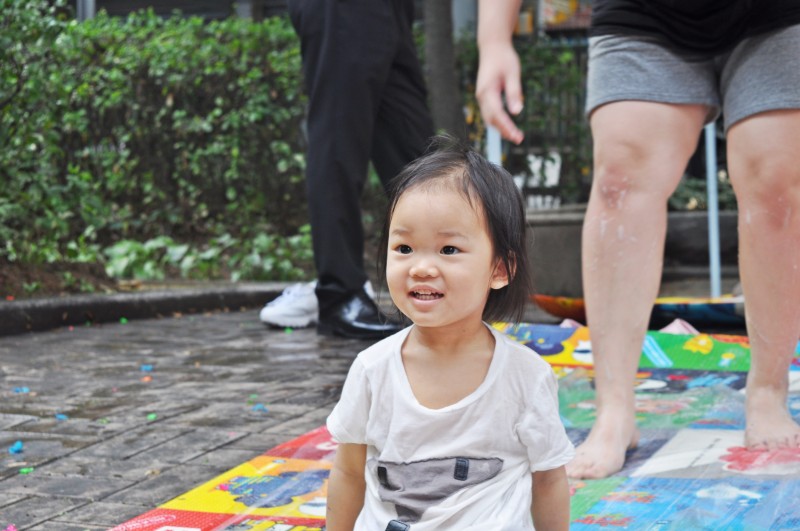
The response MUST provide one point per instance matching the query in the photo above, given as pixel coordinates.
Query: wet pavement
(102, 422)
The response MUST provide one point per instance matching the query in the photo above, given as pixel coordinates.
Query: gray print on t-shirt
(413, 487)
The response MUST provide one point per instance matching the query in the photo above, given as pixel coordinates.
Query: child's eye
(403, 249)
(449, 249)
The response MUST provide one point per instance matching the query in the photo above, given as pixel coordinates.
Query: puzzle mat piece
(266, 490)
(571, 346)
(172, 520)
(568, 346)
(718, 454)
(663, 400)
(670, 399)
(315, 445)
(735, 503)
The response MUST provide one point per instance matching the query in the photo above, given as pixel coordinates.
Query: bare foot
(769, 424)
(603, 451)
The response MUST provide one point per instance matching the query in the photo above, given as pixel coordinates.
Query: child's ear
(501, 276)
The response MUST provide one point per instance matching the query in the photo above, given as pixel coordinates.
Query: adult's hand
(498, 69)
(498, 76)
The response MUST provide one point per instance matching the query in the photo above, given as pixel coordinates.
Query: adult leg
(346, 60)
(640, 152)
(404, 125)
(764, 171)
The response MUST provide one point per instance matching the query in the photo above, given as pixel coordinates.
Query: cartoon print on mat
(568, 346)
(678, 381)
(413, 487)
(653, 409)
(701, 343)
(781, 461)
(579, 345)
(676, 503)
(274, 491)
(549, 341)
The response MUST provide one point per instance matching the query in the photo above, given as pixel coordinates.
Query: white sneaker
(297, 306)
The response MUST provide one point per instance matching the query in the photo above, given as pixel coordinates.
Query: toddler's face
(440, 263)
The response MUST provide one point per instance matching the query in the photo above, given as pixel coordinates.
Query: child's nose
(423, 267)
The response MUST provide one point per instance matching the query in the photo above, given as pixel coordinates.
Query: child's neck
(449, 340)
(445, 366)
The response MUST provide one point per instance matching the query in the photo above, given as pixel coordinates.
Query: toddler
(449, 424)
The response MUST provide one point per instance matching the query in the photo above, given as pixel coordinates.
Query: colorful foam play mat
(727, 310)
(689, 471)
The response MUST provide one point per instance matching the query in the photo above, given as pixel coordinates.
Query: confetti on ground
(21, 390)
(15, 448)
(27, 470)
(152, 416)
(61, 416)
(11, 527)
(260, 407)
(146, 379)
(123, 320)
(103, 421)
(146, 367)
(9, 297)
(288, 330)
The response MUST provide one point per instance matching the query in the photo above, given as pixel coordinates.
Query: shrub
(139, 128)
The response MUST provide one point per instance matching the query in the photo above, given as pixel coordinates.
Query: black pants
(367, 101)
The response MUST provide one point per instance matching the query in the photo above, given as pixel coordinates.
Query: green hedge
(138, 128)
(173, 146)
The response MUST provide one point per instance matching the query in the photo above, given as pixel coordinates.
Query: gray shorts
(760, 74)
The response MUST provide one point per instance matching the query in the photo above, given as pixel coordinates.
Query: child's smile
(426, 295)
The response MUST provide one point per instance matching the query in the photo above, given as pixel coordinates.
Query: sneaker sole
(290, 323)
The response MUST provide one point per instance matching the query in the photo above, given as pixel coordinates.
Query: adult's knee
(769, 187)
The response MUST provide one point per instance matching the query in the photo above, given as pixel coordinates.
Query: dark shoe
(357, 317)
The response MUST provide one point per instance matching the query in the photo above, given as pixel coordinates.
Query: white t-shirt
(466, 466)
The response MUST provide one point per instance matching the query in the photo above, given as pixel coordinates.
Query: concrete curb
(18, 317)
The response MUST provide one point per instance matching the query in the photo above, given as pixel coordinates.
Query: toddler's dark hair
(485, 186)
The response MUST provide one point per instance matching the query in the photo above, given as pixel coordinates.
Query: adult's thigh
(643, 146)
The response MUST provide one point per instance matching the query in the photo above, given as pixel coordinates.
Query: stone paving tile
(260, 442)
(7, 498)
(239, 417)
(191, 445)
(37, 449)
(226, 458)
(10, 420)
(64, 526)
(302, 424)
(135, 469)
(100, 515)
(46, 485)
(133, 442)
(33, 510)
(167, 485)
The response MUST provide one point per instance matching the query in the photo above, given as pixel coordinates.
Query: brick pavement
(153, 408)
